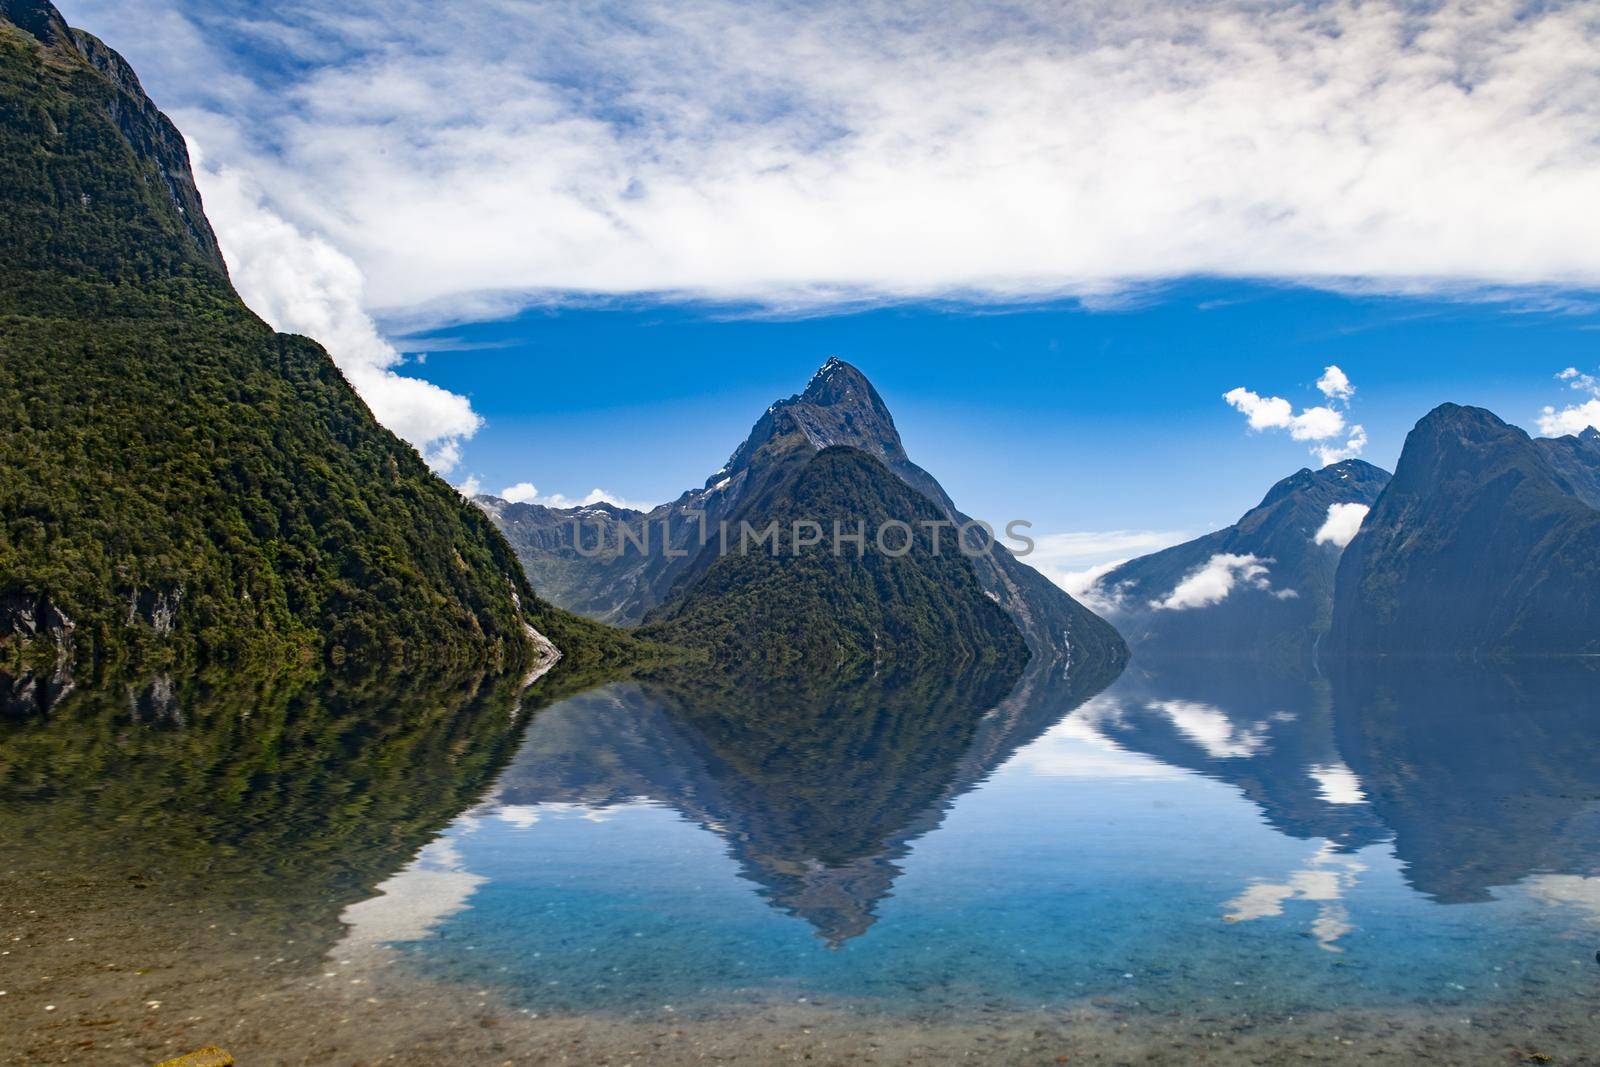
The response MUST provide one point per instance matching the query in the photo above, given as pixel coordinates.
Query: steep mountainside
(1487, 542)
(841, 607)
(177, 481)
(543, 538)
(839, 407)
(1261, 588)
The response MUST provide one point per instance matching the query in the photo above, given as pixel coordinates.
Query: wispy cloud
(528, 493)
(1213, 582)
(1077, 561)
(792, 154)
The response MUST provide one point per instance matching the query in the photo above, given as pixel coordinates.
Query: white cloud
(1087, 586)
(521, 493)
(1335, 453)
(1341, 525)
(1569, 890)
(1264, 413)
(1077, 561)
(1574, 418)
(1213, 582)
(1337, 783)
(1317, 424)
(528, 493)
(895, 148)
(1210, 728)
(301, 284)
(1320, 423)
(1587, 383)
(1335, 385)
(1324, 879)
(471, 487)
(1276, 413)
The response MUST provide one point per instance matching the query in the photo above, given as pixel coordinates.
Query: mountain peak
(838, 407)
(39, 19)
(1351, 466)
(1350, 473)
(1591, 435)
(1463, 418)
(838, 383)
(176, 231)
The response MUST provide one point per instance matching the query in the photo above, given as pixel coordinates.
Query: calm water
(1198, 836)
(1198, 833)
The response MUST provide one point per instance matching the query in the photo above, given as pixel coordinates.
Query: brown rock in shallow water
(210, 1056)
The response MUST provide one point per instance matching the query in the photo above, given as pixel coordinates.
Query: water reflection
(1486, 775)
(1269, 732)
(817, 790)
(288, 798)
(1196, 833)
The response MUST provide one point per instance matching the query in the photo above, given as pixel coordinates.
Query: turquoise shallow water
(1197, 837)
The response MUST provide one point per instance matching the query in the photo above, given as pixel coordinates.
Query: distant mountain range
(1486, 542)
(1261, 588)
(674, 584)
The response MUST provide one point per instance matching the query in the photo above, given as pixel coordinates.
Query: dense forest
(861, 609)
(181, 484)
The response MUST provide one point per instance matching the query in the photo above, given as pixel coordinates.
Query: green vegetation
(284, 799)
(179, 481)
(839, 613)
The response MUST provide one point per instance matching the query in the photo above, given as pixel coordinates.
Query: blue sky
(1106, 419)
(1053, 232)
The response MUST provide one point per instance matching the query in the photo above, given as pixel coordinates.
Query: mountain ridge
(182, 484)
(1486, 542)
(1282, 577)
(839, 407)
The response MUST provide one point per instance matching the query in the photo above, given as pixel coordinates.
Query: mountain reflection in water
(817, 791)
(1193, 833)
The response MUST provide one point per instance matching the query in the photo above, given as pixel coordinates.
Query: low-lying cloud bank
(1213, 582)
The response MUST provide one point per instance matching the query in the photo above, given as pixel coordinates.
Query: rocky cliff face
(1486, 542)
(1261, 588)
(165, 203)
(838, 408)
